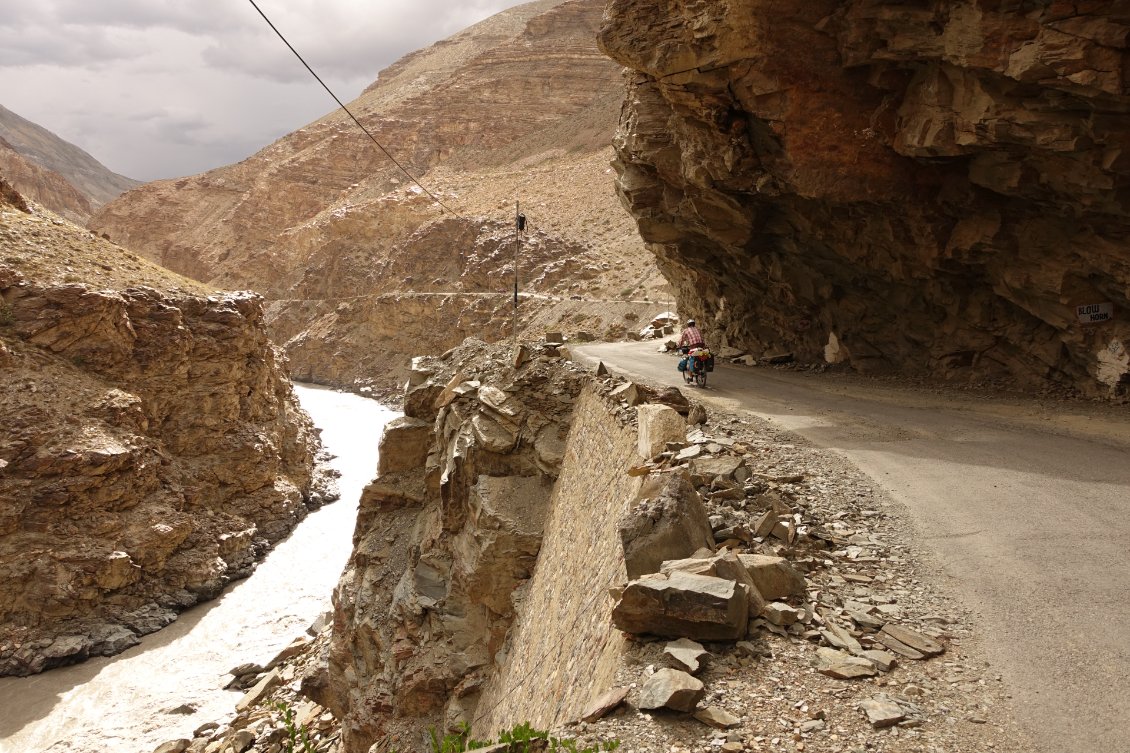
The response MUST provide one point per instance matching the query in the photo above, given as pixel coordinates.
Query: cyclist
(691, 338)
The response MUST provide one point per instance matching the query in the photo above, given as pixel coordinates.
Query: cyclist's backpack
(683, 364)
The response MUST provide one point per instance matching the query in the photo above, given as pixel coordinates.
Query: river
(122, 703)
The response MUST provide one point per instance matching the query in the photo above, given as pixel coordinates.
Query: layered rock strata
(933, 187)
(151, 448)
(520, 108)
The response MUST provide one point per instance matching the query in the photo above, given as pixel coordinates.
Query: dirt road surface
(1026, 505)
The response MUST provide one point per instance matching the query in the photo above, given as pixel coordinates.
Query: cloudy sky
(164, 88)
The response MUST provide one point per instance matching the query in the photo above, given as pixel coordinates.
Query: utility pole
(519, 228)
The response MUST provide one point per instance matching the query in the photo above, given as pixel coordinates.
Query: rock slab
(658, 425)
(669, 526)
(671, 689)
(683, 605)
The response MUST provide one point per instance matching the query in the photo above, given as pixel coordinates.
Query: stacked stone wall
(564, 650)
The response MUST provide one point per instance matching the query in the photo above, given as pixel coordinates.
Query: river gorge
(172, 683)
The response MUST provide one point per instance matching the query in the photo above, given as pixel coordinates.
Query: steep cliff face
(931, 187)
(521, 107)
(452, 525)
(151, 448)
(93, 180)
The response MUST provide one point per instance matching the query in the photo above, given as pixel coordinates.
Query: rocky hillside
(86, 175)
(934, 187)
(521, 107)
(43, 186)
(151, 448)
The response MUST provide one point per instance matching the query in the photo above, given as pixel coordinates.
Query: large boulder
(404, 445)
(716, 466)
(658, 425)
(683, 605)
(671, 689)
(669, 396)
(422, 402)
(671, 526)
(724, 565)
(775, 577)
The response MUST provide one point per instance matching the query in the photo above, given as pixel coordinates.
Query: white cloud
(66, 47)
(160, 88)
(194, 16)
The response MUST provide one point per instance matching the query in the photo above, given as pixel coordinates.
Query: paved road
(1028, 509)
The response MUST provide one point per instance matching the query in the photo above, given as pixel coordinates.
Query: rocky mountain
(151, 448)
(361, 268)
(43, 186)
(935, 187)
(87, 176)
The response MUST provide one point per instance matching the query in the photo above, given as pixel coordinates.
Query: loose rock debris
(845, 648)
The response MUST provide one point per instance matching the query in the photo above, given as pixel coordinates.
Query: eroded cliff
(151, 449)
(929, 187)
(449, 530)
(349, 252)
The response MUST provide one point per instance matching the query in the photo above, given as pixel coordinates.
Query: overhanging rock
(887, 185)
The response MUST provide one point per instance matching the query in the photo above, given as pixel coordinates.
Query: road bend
(1026, 506)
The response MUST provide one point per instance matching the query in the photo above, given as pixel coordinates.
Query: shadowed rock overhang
(936, 188)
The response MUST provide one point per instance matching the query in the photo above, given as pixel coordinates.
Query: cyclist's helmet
(690, 322)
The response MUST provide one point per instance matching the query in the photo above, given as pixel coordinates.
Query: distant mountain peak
(87, 177)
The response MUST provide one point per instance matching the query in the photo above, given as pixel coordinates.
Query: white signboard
(1093, 313)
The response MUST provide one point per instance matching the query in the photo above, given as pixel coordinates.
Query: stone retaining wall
(564, 650)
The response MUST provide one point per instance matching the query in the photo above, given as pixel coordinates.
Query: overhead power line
(351, 115)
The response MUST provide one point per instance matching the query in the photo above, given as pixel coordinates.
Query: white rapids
(122, 703)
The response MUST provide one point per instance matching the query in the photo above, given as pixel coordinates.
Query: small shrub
(295, 735)
(455, 743)
(7, 316)
(518, 738)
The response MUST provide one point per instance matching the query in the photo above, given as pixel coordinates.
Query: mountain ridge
(520, 107)
(42, 185)
(38, 145)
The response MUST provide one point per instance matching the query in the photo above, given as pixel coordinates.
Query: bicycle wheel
(700, 378)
